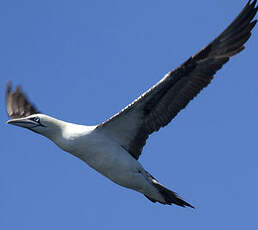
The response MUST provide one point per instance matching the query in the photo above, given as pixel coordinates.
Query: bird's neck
(67, 135)
(56, 130)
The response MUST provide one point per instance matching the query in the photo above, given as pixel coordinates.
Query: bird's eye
(36, 119)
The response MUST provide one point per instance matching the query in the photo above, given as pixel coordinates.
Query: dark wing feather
(160, 104)
(17, 104)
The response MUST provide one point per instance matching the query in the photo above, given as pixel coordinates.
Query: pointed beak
(22, 122)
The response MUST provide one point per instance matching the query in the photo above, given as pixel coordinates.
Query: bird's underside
(155, 108)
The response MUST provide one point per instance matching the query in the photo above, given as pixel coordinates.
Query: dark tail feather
(169, 196)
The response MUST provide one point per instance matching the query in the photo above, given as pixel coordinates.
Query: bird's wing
(161, 103)
(17, 104)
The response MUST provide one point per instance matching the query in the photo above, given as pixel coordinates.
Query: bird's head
(39, 123)
(24, 114)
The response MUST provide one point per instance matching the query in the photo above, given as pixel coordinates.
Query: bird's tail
(169, 196)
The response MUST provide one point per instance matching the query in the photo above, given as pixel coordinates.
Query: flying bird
(114, 146)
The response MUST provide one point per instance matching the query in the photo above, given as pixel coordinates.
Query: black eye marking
(36, 119)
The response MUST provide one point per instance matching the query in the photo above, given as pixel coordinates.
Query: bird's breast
(103, 154)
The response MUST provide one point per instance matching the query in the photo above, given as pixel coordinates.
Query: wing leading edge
(161, 103)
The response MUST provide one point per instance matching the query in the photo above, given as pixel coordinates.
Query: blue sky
(83, 61)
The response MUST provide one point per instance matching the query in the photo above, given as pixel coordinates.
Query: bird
(113, 147)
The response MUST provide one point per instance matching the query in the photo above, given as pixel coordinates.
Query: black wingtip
(253, 22)
(17, 104)
(8, 87)
(253, 3)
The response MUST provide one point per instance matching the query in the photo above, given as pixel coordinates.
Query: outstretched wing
(160, 104)
(17, 104)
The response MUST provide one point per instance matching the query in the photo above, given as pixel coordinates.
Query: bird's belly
(114, 162)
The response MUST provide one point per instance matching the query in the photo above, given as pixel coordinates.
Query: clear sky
(82, 61)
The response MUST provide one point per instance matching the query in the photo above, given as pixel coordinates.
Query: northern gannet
(114, 146)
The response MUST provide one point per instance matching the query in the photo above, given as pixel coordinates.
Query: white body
(113, 147)
(106, 156)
